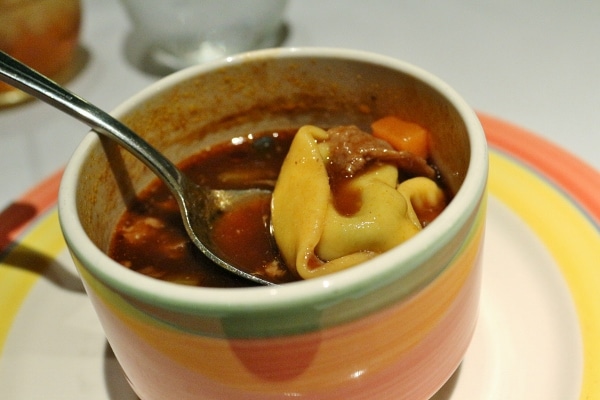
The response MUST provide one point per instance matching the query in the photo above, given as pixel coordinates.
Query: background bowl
(394, 327)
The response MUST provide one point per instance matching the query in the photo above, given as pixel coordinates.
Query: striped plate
(537, 333)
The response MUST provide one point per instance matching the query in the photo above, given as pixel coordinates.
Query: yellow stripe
(22, 267)
(572, 240)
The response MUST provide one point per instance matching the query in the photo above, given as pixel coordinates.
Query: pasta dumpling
(314, 236)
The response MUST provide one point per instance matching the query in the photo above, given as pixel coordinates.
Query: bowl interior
(196, 108)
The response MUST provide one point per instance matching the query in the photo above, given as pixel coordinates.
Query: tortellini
(313, 237)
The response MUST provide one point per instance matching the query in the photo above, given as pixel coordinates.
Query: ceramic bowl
(395, 327)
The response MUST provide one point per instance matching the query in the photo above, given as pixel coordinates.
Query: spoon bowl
(198, 204)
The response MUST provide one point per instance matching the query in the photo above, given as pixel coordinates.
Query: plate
(539, 322)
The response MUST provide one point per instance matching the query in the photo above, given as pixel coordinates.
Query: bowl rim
(368, 276)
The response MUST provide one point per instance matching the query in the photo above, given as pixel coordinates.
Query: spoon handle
(37, 85)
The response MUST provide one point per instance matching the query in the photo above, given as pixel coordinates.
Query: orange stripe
(578, 179)
(20, 213)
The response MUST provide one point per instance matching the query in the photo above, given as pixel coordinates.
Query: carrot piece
(402, 135)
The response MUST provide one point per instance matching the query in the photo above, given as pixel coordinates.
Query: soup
(150, 237)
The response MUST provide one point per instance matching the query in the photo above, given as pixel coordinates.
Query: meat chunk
(351, 149)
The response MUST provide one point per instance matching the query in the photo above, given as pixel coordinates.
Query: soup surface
(150, 237)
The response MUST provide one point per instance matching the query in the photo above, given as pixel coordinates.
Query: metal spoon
(197, 204)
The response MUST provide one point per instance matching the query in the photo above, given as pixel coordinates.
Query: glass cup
(169, 35)
(42, 34)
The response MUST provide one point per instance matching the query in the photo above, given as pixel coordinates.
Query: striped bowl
(394, 327)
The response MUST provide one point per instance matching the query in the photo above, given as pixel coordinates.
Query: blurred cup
(169, 35)
(42, 34)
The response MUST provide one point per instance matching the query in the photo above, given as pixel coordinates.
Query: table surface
(534, 63)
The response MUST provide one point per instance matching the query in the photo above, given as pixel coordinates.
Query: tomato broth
(150, 237)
